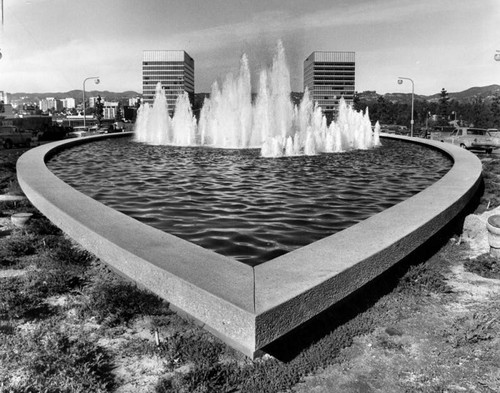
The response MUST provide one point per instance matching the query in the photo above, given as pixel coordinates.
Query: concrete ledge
(250, 307)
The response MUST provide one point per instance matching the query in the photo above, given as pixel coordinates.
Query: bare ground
(446, 342)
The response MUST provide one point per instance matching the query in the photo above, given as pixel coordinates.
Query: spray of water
(272, 123)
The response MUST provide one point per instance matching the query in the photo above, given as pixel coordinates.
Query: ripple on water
(239, 204)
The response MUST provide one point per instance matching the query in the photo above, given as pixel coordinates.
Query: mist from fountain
(229, 119)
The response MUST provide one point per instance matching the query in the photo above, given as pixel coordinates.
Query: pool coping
(249, 307)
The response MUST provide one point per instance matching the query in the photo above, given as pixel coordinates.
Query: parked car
(474, 139)
(438, 133)
(78, 132)
(12, 135)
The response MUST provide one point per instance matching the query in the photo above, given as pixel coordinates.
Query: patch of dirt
(442, 343)
(133, 372)
(12, 272)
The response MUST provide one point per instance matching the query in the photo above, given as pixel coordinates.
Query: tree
(480, 114)
(443, 108)
(119, 112)
(99, 110)
(356, 103)
(495, 111)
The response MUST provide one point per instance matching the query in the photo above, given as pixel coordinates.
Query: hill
(485, 92)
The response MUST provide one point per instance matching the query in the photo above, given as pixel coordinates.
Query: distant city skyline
(52, 45)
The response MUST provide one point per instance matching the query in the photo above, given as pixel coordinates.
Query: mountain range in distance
(484, 92)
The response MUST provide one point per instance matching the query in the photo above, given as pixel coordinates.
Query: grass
(485, 266)
(58, 267)
(46, 360)
(49, 347)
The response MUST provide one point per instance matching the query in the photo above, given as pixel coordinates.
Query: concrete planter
(20, 219)
(493, 225)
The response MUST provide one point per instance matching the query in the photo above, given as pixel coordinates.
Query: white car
(473, 139)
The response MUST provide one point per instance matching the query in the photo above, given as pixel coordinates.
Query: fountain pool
(241, 205)
(251, 305)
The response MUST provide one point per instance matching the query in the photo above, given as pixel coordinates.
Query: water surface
(240, 204)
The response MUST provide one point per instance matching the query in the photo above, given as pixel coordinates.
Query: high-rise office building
(173, 68)
(329, 76)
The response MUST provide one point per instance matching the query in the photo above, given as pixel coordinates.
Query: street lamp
(96, 81)
(400, 81)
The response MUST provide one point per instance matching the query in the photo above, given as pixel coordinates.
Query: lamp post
(96, 81)
(400, 81)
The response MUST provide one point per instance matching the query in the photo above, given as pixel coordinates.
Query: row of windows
(330, 98)
(167, 81)
(167, 71)
(334, 68)
(336, 90)
(176, 81)
(323, 103)
(164, 83)
(334, 73)
(163, 63)
(334, 63)
(330, 82)
(334, 77)
(162, 72)
(155, 67)
(333, 83)
(168, 89)
(170, 97)
(164, 79)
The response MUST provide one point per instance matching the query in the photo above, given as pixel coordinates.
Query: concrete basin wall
(249, 307)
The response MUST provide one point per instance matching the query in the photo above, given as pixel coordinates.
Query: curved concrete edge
(196, 280)
(293, 288)
(249, 308)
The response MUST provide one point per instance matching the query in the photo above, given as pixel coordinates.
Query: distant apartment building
(173, 68)
(50, 103)
(69, 103)
(110, 109)
(133, 101)
(4, 96)
(329, 76)
(92, 101)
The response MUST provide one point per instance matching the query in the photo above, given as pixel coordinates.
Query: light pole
(400, 81)
(455, 114)
(96, 81)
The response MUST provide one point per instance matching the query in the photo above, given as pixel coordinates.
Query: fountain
(272, 123)
(250, 307)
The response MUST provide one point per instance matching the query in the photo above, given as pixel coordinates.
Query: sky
(53, 45)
